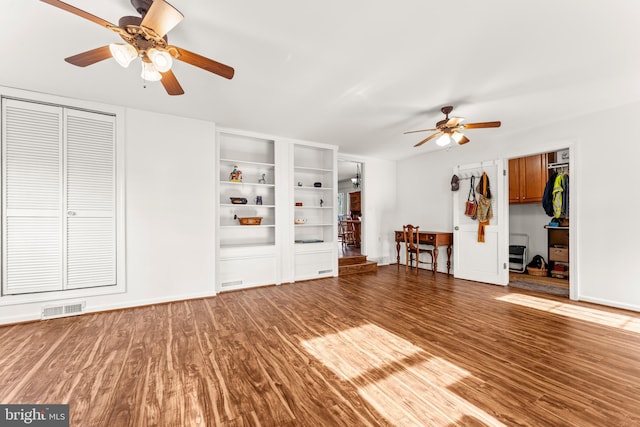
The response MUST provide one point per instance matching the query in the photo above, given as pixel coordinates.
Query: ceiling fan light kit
(123, 53)
(448, 131)
(149, 72)
(160, 59)
(443, 140)
(146, 38)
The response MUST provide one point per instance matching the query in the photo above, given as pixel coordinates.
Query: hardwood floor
(363, 350)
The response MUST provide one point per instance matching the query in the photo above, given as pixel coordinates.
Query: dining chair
(345, 233)
(412, 247)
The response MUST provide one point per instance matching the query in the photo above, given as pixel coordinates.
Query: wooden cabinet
(354, 204)
(527, 179)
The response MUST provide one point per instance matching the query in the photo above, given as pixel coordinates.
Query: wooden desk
(433, 238)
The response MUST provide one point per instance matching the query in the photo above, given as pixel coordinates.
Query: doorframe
(363, 197)
(557, 145)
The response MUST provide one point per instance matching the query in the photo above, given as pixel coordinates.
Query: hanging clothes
(484, 211)
(547, 197)
(565, 197)
(558, 190)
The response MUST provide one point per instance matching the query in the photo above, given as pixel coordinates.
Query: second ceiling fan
(449, 129)
(146, 38)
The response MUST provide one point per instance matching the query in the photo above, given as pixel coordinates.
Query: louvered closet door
(90, 200)
(31, 198)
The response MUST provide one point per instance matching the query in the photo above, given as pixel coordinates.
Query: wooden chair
(412, 247)
(345, 233)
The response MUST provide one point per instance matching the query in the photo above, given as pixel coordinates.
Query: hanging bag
(471, 206)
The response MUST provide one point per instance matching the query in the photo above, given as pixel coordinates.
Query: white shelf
(255, 184)
(246, 162)
(298, 187)
(314, 207)
(245, 205)
(248, 226)
(307, 169)
(313, 225)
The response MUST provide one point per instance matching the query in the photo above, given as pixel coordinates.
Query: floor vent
(325, 271)
(231, 283)
(53, 311)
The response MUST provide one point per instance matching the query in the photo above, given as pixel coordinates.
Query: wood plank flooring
(378, 349)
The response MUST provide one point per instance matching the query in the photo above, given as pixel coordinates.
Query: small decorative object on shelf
(299, 183)
(238, 200)
(248, 220)
(258, 200)
(235, 175)
(263, 179)
(300, 220)
(321, 202)
(317, 184)
(299, 204)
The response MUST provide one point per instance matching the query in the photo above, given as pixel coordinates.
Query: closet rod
(557, 165)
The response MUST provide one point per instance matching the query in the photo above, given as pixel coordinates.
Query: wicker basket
(537, 271)
(248, 220)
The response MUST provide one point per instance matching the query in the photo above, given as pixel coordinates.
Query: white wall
(606, 163)
(530, 219)
(170, 215)
(170, 207)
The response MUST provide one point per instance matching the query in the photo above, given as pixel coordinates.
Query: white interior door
(473, 260)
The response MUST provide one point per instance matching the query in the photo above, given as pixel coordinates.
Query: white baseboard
(91, 308)
(608, 303)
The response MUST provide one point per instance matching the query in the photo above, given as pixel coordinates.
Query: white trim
(36, 315)
(610, 303)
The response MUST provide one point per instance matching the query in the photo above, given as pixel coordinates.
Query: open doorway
(539, 222)
(350, 218)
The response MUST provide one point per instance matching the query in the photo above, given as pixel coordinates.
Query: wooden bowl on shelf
(248, 220)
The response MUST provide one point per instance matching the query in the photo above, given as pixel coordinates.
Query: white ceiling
(353, 73)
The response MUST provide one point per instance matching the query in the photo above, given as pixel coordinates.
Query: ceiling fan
(449, 129)
(146, 38)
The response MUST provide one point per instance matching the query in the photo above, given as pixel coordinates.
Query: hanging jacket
(565, 197)
(484, 211)
(558, 190)
(547, 197)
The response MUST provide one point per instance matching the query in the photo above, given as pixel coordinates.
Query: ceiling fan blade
(422, 130)
(459, 138)
(79, 12)
(90, 57)
(481, 125)
(430, 137)
(161, 17)
(204, 63)
(170, 83)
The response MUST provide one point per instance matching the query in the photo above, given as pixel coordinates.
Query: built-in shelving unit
(314, 193)
(275, 175)
(255, 159)
(247, 254)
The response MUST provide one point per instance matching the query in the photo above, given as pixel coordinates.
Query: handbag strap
(472, 191)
